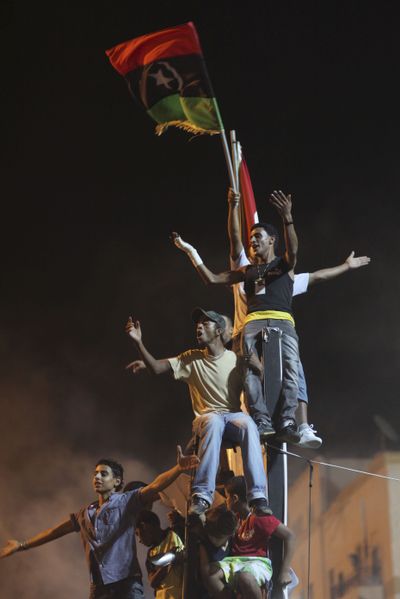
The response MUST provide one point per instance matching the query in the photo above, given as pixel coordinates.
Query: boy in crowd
(215, 545)
(107, 528)
(248, 570)
(215, 385)
(165, 580)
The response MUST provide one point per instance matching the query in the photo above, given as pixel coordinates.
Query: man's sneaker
(265, 430)
(288, 433)
(198, 506)
(260, 507)
(308, 438)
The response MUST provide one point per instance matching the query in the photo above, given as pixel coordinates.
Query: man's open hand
(357, 261)
(11, 547)
(136, 366)
(282, 203)
(133, 329)
(186, 462)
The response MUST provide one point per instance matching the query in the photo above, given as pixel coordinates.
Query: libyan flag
(248, 202)
(166, 72)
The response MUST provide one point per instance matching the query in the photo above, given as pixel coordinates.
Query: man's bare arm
(283, 205)
(234, 231)
(150, 492)
(229, 277)
(284, 533)
(51, 534)
(326, 274)
(153, 365)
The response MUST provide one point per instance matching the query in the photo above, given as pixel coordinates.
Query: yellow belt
(264, 315)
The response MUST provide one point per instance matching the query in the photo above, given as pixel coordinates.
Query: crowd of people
(234, 524)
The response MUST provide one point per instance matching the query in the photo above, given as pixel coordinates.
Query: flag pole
(235, 157)
(232, 179)
(236, 154)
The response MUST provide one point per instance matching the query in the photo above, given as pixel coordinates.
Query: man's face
(206, 331)
(145, 534)
(104, 480)
(231, 501)
(260, 241)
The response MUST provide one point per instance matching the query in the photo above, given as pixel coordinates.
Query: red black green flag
(166, 72)
(248, 202)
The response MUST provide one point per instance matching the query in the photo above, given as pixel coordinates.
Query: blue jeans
(238, 428)
(290, 363)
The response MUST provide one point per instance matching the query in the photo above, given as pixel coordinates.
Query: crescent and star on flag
(161, 77)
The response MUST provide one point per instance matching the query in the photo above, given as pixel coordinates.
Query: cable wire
(330, 465)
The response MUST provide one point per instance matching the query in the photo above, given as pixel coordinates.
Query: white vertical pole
(232, 179)
(285, 498)
(235, 157)
(285, 469)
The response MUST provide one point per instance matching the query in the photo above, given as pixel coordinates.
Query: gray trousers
(253, 386)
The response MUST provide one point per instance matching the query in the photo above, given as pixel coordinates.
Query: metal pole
(310, 484)
(277, 464)
(188, 563)
(235, 157)
(285, 469)
(228, 159)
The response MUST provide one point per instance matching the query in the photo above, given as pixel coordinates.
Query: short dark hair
(237, 486)
(225, 476)
(270, 229)
(220, 522)
(116, 468)
(148, 517)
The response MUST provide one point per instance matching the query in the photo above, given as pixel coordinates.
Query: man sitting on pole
(215, 384)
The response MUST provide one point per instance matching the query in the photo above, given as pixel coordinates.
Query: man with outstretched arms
(107, 528)
(239, 259)
(268, 284)
(215, 384)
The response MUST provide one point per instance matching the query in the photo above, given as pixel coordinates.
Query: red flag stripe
(167, 43)
(248, 201)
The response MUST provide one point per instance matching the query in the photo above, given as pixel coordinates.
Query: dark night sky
(90, 195)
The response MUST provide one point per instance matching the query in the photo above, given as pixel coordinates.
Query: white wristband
(195, 258)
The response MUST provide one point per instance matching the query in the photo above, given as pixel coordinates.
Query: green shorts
(259, 567)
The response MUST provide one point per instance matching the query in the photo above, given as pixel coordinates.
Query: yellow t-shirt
(215, 384)
(171, 586)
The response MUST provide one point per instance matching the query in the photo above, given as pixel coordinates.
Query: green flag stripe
(200, 113)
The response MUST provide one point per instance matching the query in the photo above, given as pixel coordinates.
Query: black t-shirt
(277, 292)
